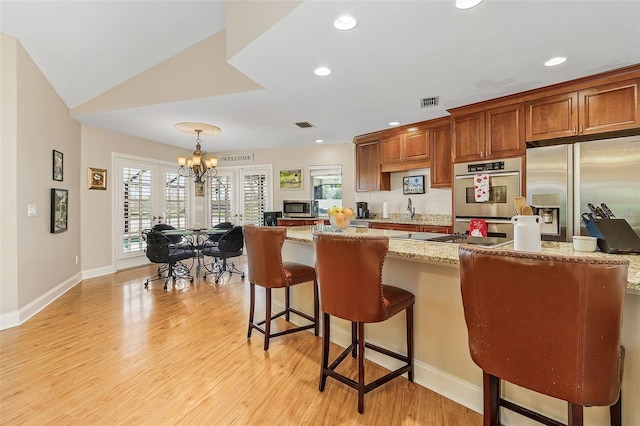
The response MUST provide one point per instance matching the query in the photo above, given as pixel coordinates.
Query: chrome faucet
(411, 209)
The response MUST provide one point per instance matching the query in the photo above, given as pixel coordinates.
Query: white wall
(35, 121)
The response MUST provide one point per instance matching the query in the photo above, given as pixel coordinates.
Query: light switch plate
(32, 210)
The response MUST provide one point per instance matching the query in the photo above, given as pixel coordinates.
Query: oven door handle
(467, 176)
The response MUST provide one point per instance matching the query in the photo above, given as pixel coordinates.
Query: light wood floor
(111, 352)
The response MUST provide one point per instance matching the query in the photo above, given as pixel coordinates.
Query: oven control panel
(482, 167)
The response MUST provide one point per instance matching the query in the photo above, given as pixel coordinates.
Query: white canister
(526, 233)
(385, 210)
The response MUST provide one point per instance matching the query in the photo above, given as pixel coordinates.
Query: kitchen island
(430, 270)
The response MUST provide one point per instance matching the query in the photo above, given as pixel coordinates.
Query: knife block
(614, 236)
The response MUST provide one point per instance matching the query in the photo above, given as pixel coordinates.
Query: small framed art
(58, 165)
(291, 179)
(413, 185)
(97, 178)
(59, 212)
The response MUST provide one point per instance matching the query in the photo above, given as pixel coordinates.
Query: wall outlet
(32, 210)
(77, 259)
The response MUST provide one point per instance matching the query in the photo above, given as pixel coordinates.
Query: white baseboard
(425, 375)
(13, 319)
(97, 272)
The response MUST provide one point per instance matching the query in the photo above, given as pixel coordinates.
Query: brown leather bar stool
(263, 246)
(548, 323)
(349, 272)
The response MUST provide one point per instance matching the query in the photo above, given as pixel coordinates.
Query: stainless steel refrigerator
(563, 179)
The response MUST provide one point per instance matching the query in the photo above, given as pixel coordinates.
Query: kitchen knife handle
(593, 209)
(602, 213)
(607, 210)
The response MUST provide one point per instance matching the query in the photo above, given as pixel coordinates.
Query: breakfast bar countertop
(447, 253)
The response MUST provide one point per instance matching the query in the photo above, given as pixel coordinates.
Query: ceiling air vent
(429, 102)
(304, 125)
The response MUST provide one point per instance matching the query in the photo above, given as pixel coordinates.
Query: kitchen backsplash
(433, 201)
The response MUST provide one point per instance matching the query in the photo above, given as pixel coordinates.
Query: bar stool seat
(349, 272)
(266, 268)
(548, 323)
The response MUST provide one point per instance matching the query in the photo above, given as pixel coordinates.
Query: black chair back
(175, 239)
(231, 243)
(157, 250)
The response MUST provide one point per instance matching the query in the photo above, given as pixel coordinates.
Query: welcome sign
(235, 158)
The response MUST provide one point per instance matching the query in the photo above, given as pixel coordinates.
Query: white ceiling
(400, 52)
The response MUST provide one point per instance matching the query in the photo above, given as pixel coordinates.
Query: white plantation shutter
(255, 185)
(136, 208)
(176, 200)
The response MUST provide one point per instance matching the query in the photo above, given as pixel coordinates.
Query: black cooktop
(455, 238)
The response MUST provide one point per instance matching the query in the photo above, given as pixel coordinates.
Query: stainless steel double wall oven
(505, 183)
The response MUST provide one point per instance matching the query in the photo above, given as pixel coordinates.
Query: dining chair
(161, 249)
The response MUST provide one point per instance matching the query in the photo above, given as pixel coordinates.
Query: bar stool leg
(316, 308)
(252, 305)
(354, 339)
(287, 300)
(361, 367)
(326, 338)
(409, 319)
(575, 415)
(615, 412)
(267, 322)
(491, 396)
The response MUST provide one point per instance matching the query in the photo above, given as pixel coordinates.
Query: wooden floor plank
(110, 351)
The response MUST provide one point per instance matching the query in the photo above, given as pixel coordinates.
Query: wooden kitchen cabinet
(441, 165)
(369, 176)
(490, 134)
(436, 228)
(605, 108)
(395, 226)
(405, 150)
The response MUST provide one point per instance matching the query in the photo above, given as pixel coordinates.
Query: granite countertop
(447, 253)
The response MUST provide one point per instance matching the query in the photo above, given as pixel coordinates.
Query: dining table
(196, 237)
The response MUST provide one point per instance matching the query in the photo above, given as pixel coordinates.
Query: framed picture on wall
(291, 179)
(58, 165)
(59, 213)
(413, 185)
(97, 178)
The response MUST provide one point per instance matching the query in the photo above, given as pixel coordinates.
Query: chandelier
(199, 166)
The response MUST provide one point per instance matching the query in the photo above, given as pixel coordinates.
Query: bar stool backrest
(548, 323)
(263, 246)
(349, 270)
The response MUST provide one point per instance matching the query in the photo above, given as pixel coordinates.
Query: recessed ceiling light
(322, 71)
(555, 61)
(319, 141)
(345, 23)
(394, 123)
(467, 4)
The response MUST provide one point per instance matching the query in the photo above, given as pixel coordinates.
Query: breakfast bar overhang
(430, 270)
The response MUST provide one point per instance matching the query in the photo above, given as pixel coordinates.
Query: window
(326, 184)
(221, 197)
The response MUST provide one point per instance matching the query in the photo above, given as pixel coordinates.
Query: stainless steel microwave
(299, 208)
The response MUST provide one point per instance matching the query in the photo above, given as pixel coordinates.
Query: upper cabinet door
(441, 166)
(416, 146)
(505, 132)
(552, 117)
(369, 177)
(468, 134)
(610, 107)
(391, 149)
